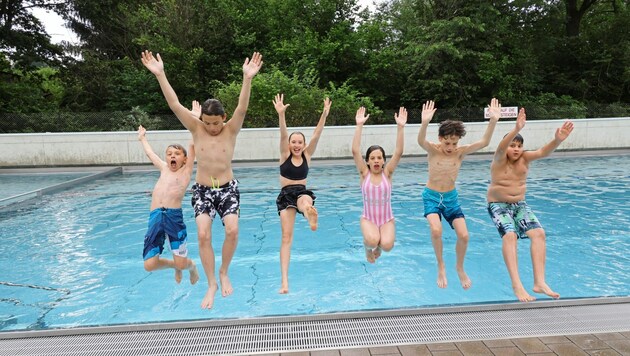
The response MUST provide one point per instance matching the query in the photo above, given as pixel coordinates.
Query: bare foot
(178, 276)
(208, 300)
(194, 275)
(226, 286)
(522, 294)
(441, 280)
(369, 255)
(311, 216)
(544, 288)
(284, 289)
(377, 252)
(463, 279)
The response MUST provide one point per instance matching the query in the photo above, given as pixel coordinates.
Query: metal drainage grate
(332, 331)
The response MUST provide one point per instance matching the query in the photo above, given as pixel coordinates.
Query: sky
(58, 32)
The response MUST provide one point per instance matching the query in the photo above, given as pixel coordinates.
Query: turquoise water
(14, 184)
(74, 258)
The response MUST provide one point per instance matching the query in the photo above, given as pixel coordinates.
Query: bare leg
(206, 252)
(460, 250)
(287, 223)
(511, 262)
(371, 239)
(538, 252)
(387, 232)
(229, 247)
(435, 225)
(305, 205)
(184, 263)
(156, 263)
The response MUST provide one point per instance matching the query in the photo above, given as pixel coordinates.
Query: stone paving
(607, 344)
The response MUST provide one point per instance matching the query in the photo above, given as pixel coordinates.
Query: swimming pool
(74, 258)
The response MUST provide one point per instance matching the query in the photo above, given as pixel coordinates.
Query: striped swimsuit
(377, 206)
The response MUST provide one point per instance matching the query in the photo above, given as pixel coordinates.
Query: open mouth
(173, 163)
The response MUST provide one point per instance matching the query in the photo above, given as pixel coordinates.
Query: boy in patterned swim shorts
(215, 188)
(508, 209)
(166, 219)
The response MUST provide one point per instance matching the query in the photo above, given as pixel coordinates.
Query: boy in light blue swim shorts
(440, 196)
(509, 212)
(166, 220)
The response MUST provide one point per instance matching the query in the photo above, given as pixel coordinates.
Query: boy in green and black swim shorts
(508, 209)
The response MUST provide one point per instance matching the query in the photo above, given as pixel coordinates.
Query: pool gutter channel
(330, 331)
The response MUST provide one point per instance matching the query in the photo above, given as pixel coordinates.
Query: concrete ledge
(123, 148)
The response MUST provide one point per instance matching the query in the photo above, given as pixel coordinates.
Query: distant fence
(129, 120)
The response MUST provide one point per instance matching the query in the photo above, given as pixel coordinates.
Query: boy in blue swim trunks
(215, 190)
(440, 196)
(166, 219)
(508, 209)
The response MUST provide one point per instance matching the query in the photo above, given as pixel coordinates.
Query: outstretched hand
(401, 117)
(251, 67)
(141, 132)
(494, 109)
(563, 132)
(428, 109)
(156, 66)
(279, 105)
(361, 118)
(327, 104)
(195, 110)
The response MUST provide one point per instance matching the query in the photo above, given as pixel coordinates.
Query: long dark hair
(374, 148)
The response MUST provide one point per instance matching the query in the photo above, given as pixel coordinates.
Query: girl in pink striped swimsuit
(377, 220)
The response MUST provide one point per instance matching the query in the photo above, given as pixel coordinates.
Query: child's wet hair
(372, 149)
(519, 138)
(452, 128)
(212, 107)
(177, 146)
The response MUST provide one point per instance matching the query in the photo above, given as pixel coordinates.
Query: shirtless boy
(215, 189)
(440, 196)
(508, 209)
(166, 218)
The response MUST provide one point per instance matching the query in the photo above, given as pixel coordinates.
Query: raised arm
(156, 66)
(361, 118)
(499, 154)
(561, 134)
(153, 157)
(250, 69)
(401, 120)
(312, 145)
(494, 109)
(281, 108)
(190, 159)
(428, 109)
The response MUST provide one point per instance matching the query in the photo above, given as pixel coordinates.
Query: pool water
(74, 258)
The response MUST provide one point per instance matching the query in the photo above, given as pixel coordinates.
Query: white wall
(123, 148)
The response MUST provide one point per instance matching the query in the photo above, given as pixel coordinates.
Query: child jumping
(295, 158)
(377, 220)
(166, 219)
(507, 207)
(440, 196)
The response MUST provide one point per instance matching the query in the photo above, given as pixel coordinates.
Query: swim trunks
(289, 196)
(377, 201)
(224, 200)
(513, 217)
(444, 204)
(163, 223)
(289, 171)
